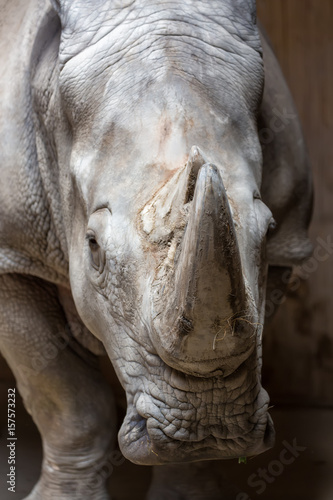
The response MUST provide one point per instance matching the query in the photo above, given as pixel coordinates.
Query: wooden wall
(298, 352)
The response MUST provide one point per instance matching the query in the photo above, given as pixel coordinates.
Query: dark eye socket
(93, 243)
(95, 252)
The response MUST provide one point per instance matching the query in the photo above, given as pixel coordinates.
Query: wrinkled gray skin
(136, 208)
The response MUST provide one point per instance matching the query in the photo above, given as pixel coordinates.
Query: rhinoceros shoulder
(31, 238)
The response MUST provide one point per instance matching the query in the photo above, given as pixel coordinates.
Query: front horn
(199, 321)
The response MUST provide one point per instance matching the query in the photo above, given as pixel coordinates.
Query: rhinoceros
(154, 188)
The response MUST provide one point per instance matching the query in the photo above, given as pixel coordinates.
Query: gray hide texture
(141, 217)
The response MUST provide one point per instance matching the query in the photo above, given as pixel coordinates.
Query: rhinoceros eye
(271, 227)
(95, 252)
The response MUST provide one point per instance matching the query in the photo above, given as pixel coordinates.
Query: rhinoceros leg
(66, 396)
(192, 481)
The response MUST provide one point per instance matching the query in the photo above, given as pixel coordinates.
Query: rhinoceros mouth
(145, 440)
(173, 417)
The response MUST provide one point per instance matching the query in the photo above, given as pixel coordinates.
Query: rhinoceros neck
(32, 237)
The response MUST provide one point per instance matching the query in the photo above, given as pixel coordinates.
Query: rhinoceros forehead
(116, 51)
(83, 24)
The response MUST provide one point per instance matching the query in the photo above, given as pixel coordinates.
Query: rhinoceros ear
(287, 182)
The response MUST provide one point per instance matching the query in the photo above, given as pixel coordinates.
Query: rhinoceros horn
(197, 311)
(209, 276)
(161, 215)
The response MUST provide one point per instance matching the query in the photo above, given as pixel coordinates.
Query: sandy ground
(309, 477)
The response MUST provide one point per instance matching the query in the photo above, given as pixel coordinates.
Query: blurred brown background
(298, 352)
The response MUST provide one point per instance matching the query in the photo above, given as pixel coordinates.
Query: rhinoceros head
(165, 225)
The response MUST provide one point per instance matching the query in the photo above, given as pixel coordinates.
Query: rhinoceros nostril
(185, 325)
(269, 436)
(141, 425)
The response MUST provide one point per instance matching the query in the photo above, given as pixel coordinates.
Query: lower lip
(137, 446)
